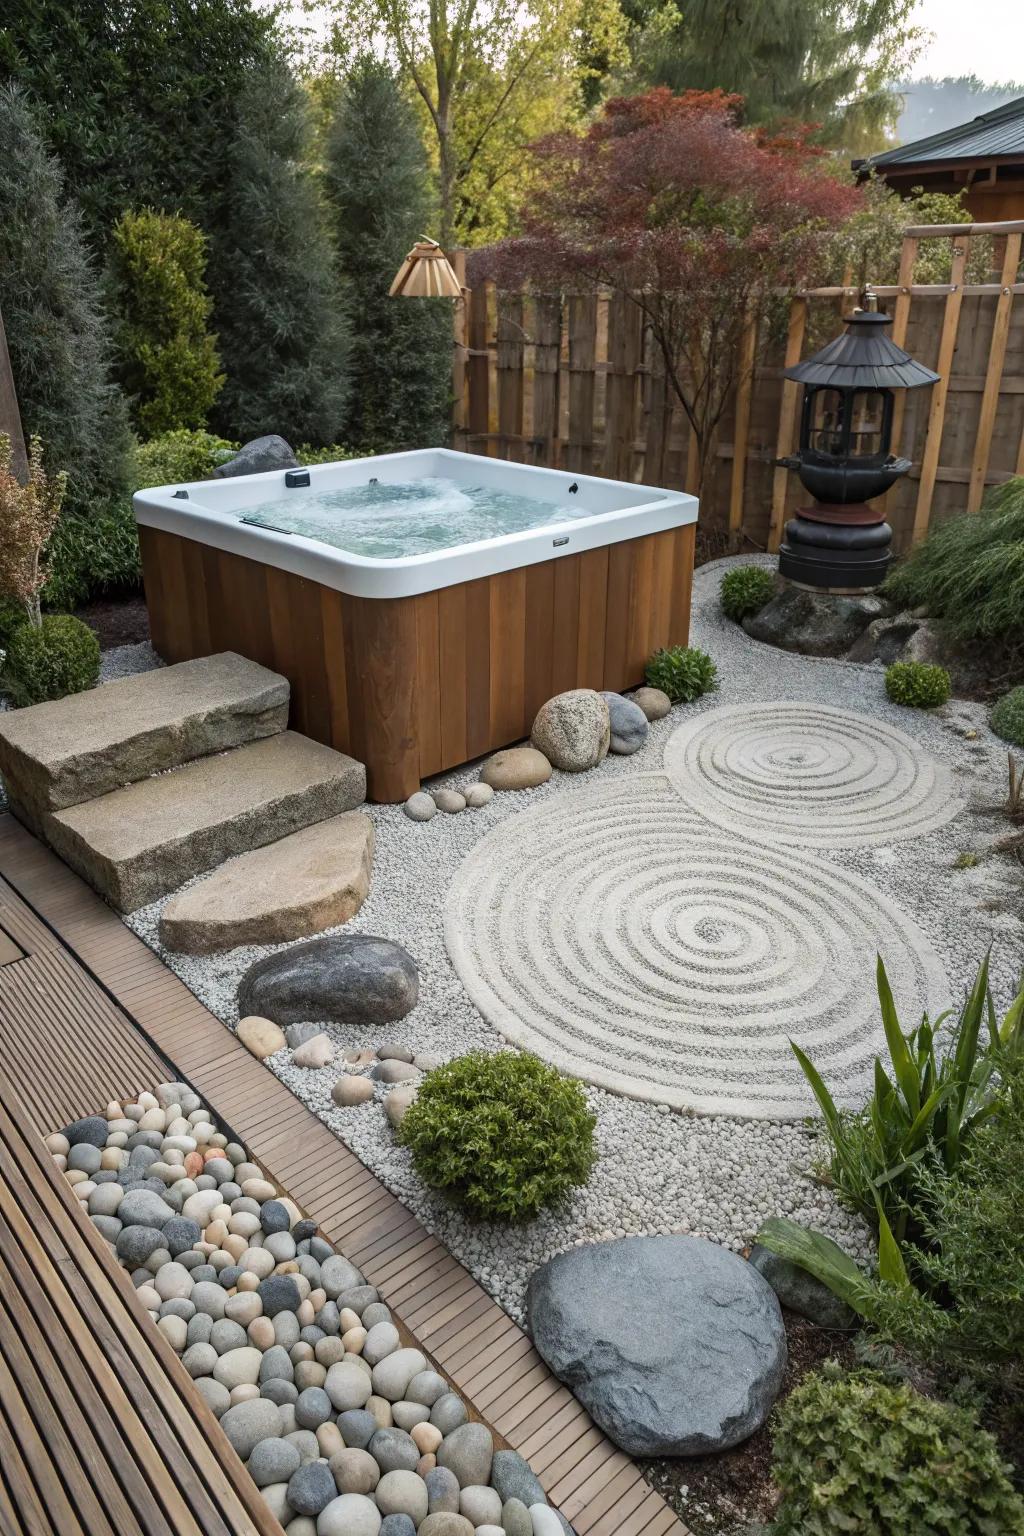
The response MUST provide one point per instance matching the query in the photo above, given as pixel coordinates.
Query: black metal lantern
(844, 460)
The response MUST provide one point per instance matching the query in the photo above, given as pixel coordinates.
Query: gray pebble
(448, 1414)
(227, 1335)
(311, 1488)
(276, 1364)
(272, 1461)
(357, 1428)
(107, 1226)
(279, 1391)
(312, 1408)
(394, 1451)
(92, 1130)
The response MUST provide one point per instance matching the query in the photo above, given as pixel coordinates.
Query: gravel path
(659, 1171)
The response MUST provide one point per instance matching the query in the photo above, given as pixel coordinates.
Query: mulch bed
(117, 620)
(727, 1493)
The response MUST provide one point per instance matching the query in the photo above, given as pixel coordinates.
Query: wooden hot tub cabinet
(414, 685)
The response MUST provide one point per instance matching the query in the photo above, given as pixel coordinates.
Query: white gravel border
(658, 1171)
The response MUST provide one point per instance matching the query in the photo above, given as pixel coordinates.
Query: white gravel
(658, 1171)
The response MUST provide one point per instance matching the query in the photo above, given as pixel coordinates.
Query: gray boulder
(629, 725)
(572, 730)
(674, 1345)
(343, 979)
(801, 1292)
(814, 623)
(256, 456)
(91, 1131)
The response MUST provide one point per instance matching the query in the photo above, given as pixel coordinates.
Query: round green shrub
(61, 657)
(917, 684)
(746, 590)
(683, 672)
(855, 1453)
(502, 1134)
(1008, 717)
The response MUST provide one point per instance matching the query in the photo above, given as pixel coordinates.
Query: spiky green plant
(969, 572)
(917, 685)
(746, 590)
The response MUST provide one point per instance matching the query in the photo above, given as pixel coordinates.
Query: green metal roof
(999, 133)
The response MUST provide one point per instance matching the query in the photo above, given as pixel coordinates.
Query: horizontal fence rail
(572, 381)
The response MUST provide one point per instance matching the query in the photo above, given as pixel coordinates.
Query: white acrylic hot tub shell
(211, 515)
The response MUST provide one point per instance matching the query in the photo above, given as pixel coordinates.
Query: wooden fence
(571, 381)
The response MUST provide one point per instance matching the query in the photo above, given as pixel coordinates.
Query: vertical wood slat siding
(411, 686)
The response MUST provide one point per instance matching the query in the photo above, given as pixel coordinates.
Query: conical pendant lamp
(426, 273)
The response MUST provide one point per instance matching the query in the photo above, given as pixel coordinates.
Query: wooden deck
(87, 1013)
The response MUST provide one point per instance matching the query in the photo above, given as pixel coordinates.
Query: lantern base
(850, 556)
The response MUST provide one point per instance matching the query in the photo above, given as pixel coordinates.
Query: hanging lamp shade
(426, 273)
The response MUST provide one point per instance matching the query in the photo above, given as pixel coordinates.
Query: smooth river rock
(702, 1376)
(257, 456)
(516, 768)
(654, 702)
(628, 725)
(342, 979)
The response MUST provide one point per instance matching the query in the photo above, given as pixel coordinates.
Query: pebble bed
(659, 1171)
(342, 1423)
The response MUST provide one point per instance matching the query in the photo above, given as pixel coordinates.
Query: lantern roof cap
(863, 358)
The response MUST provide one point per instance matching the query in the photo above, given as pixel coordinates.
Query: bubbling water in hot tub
(415, 517)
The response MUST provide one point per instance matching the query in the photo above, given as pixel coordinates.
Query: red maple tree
(668, 201)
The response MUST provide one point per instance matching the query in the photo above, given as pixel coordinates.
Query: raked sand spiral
(627, 940)
(809, 775)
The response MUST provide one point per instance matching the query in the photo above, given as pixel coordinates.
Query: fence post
(547, 358)
(744, 391)
(478, 367)
(509, 375)
(582, 379)
(458, 260)
(994, 373)
(787, 421)
(625, 340)
(940, 391)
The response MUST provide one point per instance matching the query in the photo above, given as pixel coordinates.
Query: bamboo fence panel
(580, 385)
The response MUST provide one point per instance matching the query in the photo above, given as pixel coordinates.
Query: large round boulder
(342, 979)
(674, 1345)
(573, 730)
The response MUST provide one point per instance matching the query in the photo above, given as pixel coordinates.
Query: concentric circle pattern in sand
(809, 775)
(626, 940)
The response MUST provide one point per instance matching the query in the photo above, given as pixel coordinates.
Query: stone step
(137, 843)
(58, 754)
(298, 886)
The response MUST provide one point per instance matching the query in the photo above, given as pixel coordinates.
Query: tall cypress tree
(57, 330)
(379, 188)
(278, 313)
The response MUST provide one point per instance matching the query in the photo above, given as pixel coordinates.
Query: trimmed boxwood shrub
(1008, 717)
(746, 590)
(856, 1453)
(62, 656)
(917, 684)
(683, 672)
(502, 1134)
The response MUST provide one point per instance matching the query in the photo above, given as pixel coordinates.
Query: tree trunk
(446, 179)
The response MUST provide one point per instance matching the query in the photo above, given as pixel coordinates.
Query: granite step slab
(61, 753)
(138, 843)
(308, 881)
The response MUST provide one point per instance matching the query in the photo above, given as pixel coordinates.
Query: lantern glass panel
(867, 423)
(828, 407)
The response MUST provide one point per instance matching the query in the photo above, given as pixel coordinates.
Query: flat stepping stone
(145, 840)
(809, 775)
(311, 880)
(58, 754)
(630, 942)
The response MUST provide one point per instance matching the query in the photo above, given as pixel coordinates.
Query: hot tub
(422, 605)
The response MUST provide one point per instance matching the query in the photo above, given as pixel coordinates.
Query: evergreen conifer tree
(378, 185)
(57, 332)
(279, 314)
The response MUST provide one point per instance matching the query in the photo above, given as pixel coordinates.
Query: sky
(983, 38)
